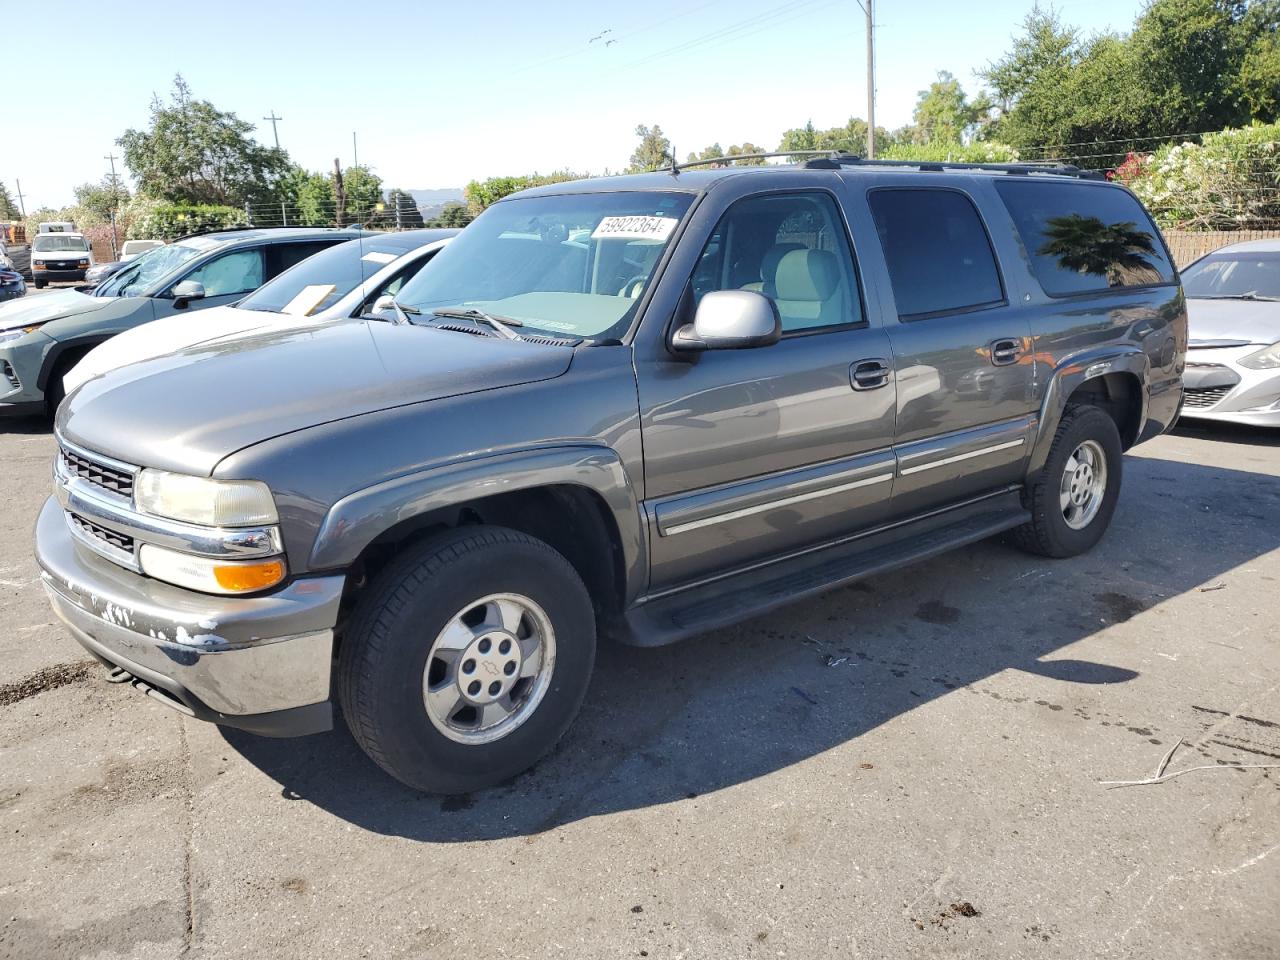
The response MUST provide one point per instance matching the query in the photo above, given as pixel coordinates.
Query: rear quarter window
(1083, 238)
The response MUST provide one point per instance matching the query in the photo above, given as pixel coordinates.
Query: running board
(708, 606)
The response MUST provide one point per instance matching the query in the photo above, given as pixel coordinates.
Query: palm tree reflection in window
(1086, 245)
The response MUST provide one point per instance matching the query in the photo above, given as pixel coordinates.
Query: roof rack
(272, 226)
(836, 159)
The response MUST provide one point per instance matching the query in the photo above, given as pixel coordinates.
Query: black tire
(385, 649)
(1048, 533)
(38, 284)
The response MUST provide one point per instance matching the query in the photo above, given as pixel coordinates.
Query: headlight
(21, 332)
(212, 503)
(208, 575)
(1268, 358)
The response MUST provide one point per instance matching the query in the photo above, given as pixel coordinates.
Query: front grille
(118, 540)
(1205, 397)
(99, 474)
(7, 372)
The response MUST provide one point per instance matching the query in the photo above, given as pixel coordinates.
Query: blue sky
(441, 93)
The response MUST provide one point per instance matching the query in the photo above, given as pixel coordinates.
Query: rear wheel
(467, 659)
(1075, 495)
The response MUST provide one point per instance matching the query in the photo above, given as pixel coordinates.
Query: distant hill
(435, 198)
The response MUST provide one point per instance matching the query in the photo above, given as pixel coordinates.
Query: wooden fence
(1187, 245)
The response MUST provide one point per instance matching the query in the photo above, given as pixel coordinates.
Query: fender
(1070, 374)
(357, 519)
(61, 347)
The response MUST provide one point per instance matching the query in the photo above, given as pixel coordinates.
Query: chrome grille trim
(1205, 396)
(113, 477)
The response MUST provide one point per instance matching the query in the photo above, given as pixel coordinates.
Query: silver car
(1233, 362)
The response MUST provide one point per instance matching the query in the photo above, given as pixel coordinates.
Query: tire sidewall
(406, 737)
(1083, 423)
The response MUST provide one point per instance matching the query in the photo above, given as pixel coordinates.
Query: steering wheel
(639, 280)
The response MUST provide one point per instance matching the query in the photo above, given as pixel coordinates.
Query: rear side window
(937, 251)
(1083, 238)
(282, 256)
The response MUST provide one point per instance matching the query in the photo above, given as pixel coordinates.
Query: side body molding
(358, 518)
(1070, 374)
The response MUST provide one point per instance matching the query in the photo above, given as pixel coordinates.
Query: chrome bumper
(260, 663)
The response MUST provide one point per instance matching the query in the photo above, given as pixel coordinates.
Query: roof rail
(835, 159)
(273, 226)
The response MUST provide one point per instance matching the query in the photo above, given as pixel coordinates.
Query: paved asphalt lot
(733, 796)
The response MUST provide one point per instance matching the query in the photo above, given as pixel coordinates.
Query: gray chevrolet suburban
(640, 407)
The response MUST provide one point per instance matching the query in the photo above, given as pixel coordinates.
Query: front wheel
(1075, 495)
(467, 659)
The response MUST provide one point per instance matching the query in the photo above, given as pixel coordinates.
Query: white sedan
(343, 281)
(1233, 357)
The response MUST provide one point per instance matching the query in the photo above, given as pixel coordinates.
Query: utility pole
(868, 9)
(115, 202)
(274, 132)
(355, 153)
(21, 206)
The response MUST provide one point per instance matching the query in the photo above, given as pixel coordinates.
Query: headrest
(773, 256)
(810, 275)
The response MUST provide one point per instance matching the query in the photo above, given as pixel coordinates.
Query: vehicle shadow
(1228, 432)
(30, 425)
(664, 724)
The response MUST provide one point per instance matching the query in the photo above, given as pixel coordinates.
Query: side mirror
(385, 304)
(730, 320)
(185, 291)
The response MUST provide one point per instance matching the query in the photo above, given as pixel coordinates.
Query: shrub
(978, 152)
(170, 221)
(481, 193)
(1228, 181)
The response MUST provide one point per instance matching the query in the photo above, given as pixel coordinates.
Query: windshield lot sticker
(376, 257)
(308, 299)
(656, 229)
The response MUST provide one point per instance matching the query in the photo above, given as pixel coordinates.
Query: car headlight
(208, 575)
(21, 332)
(213, 503)
(1268, 358)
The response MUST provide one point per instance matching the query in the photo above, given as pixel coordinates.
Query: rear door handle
(870, 374)
(1005, 351)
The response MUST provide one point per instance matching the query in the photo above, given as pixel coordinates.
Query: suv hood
(187, 411)
(48, 306)
(1235, 321)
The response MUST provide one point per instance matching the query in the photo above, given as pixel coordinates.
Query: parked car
(136, 248)
(101, 271)
(1233, 367)
(41, 339)
(343, 281)
(608, 407)
(59, 256)
(12, 286)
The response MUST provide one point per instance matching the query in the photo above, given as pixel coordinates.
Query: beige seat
(808, 289)
(767, 284)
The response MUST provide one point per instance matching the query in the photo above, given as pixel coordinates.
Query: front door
(750, 454)
(225, 279)
(963, 355)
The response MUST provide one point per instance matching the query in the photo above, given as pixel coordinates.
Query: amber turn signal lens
(242, 578)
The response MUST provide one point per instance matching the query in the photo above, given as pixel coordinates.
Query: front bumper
(20, 363)
(58, 276)
(1219, 388)
(258, 663)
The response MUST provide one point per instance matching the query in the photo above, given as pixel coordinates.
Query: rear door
(962, 349)
(751, 454)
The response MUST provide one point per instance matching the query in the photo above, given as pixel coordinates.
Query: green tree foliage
(652, 153)
(981, 151)
(172, 220)
(8, 209)
(943, 113)
(481, 193)
(747, 147)
(196, 154)
(716, 152)
(713, 152)
(308, 196)
(97, 201)
(364, 193)
(454, 214)
(1188, 66)
(851, 138)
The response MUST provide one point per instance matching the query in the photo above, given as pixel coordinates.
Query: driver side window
(793, 249)
(237, 272)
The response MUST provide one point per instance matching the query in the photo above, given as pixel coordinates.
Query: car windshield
(1234, 275)
(320, 281)
(148, 268)
(572, 265)
(53, 242)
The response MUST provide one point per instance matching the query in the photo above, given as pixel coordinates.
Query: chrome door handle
(870, 374)
(1005, 351)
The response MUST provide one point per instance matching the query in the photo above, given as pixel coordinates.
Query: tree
(99, 201)
(851, 138)
(308, 197)
(944, 114)
(481, 193)
(747, 148)
(8, 209)
(454, 214)
(364, 193)
(713, 152)
(194, 153)
(653, 151)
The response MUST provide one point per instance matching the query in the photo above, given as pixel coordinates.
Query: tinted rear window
(1083, 237)
(937, 251)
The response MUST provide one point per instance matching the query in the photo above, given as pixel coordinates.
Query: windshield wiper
(1240, 296)
(502, 325)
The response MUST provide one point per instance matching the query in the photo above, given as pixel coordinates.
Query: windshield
(50, 242)
(320, 281)
(571, 266)
(147, 269)
(1234, 275)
